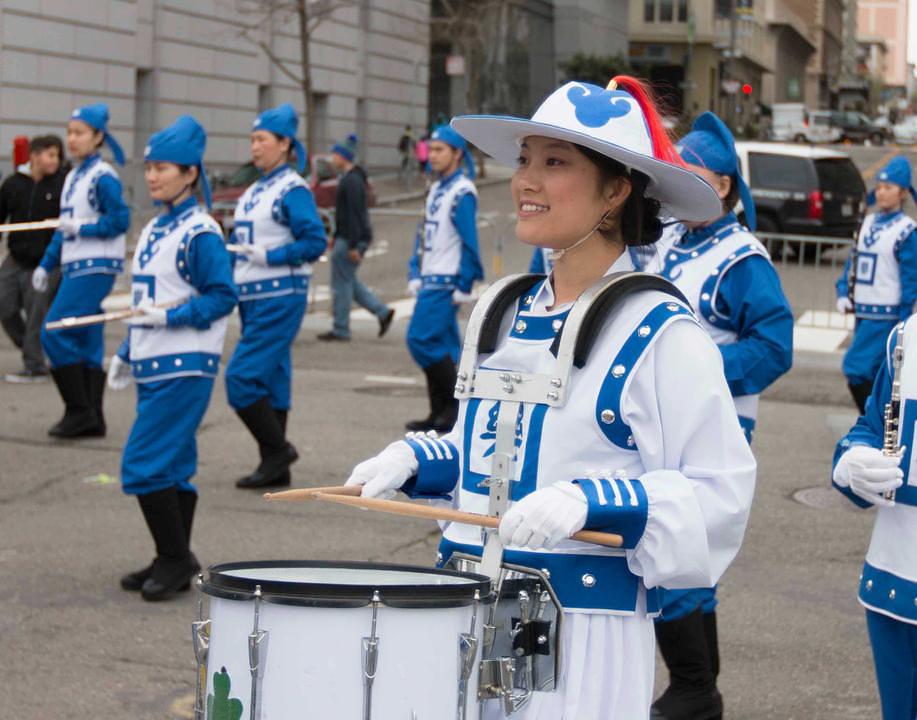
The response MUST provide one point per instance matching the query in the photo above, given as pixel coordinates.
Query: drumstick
(436, 513)
(236, 248)
(310, 493)
(49, 224)
(79, 321)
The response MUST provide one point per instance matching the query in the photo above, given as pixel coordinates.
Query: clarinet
(890, 446)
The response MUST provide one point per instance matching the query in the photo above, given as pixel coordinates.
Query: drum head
(345, 584)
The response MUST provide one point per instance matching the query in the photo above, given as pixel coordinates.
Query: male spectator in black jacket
(352, 236)
(32, 193)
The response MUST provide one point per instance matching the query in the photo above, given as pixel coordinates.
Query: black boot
(276, 453)
(132, 582)
(447, 407)
(79, 416)
(434, 398)
(282, 419)
(692, 693)
(174, 565)
(860, 393)
(713, 643)
(95, 392)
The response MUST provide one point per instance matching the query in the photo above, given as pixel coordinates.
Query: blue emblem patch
(594, 107)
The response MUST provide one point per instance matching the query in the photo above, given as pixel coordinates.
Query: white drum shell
(311, 661)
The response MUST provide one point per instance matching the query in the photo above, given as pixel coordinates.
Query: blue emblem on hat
(595, 107)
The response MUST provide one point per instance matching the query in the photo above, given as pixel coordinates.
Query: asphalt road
(72, 644)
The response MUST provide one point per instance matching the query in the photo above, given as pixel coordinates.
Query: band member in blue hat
(445, 264)
(874, 467)
(727, 275)
(89, 247)
(637, 434)
(182, 292)
(884, 277)
(281, 235)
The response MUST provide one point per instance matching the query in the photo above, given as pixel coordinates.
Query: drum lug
(468, 651)
(496, 681)
(257, 649)
(200, 637)
(370, 658)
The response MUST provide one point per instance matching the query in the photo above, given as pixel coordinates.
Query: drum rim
(220, 584)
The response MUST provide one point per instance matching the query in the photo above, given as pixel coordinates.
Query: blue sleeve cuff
(437, 471)
(124, 351)
(616, 505)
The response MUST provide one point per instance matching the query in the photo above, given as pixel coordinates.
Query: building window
(649, 10)
(682, 10)
(666, 10)
(723, 8)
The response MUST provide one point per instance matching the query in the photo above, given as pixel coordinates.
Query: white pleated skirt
(607, 671)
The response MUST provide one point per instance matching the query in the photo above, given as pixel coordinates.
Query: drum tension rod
(200, 637)
(257, 648)
(370, 659)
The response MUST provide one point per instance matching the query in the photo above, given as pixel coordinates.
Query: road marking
(390, 380)
(821, 331)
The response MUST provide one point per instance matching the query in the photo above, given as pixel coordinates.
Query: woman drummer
(182, 293)
(646, 443)
(280, 233)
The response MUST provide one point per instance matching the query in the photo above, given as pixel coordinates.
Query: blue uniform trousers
(894, 651)
(76, 296)
(867, 351)
(161, 449)
(261, 365)
(433, 332)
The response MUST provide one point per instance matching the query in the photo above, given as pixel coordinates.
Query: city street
(72, 644)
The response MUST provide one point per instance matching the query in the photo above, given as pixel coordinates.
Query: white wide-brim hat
(611, 123)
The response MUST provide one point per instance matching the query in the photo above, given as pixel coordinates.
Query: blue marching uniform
(727, 276)
(542, 263)
(89, 259)
(180, 261)
(446, 261)
(888, 583)
(885, 283)
(276, 214)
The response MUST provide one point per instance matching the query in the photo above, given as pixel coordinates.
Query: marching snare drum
(323, 640)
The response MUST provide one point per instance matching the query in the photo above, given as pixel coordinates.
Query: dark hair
(187, 169)
(280, 138)
(732, 197)
(640, 223)
(39, 143)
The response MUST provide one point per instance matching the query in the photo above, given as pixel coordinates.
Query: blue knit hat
(347, 148)
(897, 172)
(711, 145)
(182, 143)
(448, 135)
(96, 117)
(282, 121)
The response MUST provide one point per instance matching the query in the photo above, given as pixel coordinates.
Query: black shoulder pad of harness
(604, 304)
(490, 328)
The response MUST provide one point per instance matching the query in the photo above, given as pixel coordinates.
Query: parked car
(320, 175)
(906, 131)
(801, 190)
(858, 128)
(793, 123)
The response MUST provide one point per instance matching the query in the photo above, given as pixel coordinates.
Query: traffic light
(747, 88)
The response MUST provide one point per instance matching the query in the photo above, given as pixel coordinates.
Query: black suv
(803, 190)
(856, 127)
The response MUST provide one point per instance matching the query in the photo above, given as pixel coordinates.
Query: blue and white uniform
(542, 261)
(180, 259)
(888, 584)
(276, 213)
(449, 260)
(90, 259)
(885, 288)
(661, 461)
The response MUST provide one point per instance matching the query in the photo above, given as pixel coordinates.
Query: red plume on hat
(663, 147)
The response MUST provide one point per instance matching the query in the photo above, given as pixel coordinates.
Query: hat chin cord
(558, 254)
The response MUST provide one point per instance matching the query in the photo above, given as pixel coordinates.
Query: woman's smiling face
(557, 192)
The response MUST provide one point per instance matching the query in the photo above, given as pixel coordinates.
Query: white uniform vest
(442, 244)
(576, 440)
(877, 292)
(889, 582)
(258, 222)
(79, 199)
(697, 271)
(161, 273)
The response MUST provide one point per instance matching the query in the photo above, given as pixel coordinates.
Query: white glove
(256, 255)
(844, 305)
(459, 297)
(382, 475)
(40, 279)
(414, 286)
(869, 474)
(119, 373)
(70, 225)
(545, 517)
(149, 315)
